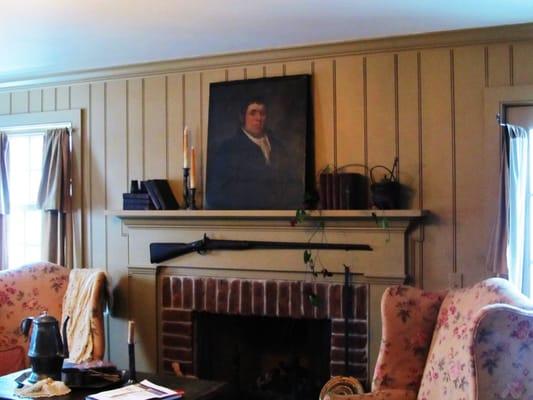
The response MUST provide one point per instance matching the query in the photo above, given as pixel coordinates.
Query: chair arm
(386, 394)
(502, 350)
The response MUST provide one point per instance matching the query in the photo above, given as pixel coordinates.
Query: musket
(164, 251)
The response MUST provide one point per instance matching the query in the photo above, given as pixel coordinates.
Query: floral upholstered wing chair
(481, 349)
(27, 291)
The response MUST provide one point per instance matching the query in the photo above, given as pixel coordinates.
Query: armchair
(478, 346)
(28, 291)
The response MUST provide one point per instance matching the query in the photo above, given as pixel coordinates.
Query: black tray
(76, 379)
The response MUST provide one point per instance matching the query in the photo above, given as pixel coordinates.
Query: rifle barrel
(164, 251)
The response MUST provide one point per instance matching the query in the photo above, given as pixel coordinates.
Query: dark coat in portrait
(241, 178)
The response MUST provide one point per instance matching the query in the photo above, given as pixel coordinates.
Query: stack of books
(137, 201)
(343, 191)
(155, 194)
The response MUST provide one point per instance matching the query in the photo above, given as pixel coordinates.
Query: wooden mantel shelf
(264, 214)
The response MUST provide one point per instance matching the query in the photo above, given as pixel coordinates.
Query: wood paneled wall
(423, 104)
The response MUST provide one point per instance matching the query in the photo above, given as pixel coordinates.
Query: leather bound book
(161, 194)
(353, 191)
(335, 191)
(323, 190)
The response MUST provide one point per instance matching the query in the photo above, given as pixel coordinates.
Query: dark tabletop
(195, 389)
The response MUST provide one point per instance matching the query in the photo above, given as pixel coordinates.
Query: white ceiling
(53, 36)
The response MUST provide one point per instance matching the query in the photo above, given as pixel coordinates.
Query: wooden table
(195, 389)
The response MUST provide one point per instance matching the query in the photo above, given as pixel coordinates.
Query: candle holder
(131, 356)
(186, 187)
(192, 203)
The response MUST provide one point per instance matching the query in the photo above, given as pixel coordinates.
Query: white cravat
(263, 143)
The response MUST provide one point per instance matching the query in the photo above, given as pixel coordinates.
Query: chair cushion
(28, 291)
(409, 315)
(13, 359)
(449, 371)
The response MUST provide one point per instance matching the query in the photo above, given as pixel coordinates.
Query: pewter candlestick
(186, 187)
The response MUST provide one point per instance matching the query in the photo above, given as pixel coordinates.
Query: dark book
(136, 196)
(335, 191)
(161, 194)
(323, 191)
(138, 205)
(353, 191)
(329, 190)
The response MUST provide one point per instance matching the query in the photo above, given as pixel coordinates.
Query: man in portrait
(255, 166)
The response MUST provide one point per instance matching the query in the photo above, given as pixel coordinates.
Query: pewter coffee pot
(46, 350)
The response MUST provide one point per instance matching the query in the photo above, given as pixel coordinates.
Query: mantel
(154, 217)
(388, 232)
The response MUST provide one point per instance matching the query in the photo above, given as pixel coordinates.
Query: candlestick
(131, 331)
(186, 147)
(192, 183)
(186, 187)
(192, 202)
(131, 352)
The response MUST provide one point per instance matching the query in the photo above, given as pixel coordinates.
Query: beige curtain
(55, 199)
(4, 198)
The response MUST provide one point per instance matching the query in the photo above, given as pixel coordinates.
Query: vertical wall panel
(116, 184)
(5, 103)
(408, 125)
(523, 63)
(175, 134)
(437, 164)
(498, 65)
(235, 74)
(135, 112)
(63, 98)
(297, 67)
(19, 102)
(80, 99)
(381, 112)
(116, 157)
(323, 113)
(254, 71)
(207, 78)
(193, 119)
(155, 130)
(97, 175)
(36, 104)
(409, 150)
(274, 69)
(350, 113)
(469, 85)
(49, 99)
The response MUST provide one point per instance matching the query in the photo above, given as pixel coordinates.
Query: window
(24, 220)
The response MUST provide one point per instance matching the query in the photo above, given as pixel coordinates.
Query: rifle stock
(164, 251)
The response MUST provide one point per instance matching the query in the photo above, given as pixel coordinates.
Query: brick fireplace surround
(182, 296)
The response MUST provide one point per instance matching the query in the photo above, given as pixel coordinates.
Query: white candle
(131, 331)
(192, 181)
(186, 147)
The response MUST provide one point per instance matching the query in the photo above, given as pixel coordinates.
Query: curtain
(4, 198)
(497, 251)
(55, 199)
(519, 225)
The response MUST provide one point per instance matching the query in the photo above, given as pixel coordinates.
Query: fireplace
(263, 357)
(187, 302)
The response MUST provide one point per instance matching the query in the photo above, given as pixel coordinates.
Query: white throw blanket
(78, 305)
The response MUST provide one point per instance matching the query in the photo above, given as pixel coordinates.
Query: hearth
(263, 357)
(186, 300)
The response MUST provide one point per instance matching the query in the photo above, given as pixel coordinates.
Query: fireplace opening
(265, 358)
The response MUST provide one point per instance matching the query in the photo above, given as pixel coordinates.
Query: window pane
(24, 221)
(36, 152)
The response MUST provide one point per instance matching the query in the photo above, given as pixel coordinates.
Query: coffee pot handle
(25, 325)
(65, 337)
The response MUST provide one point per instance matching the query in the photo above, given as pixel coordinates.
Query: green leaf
(307, 256)
(314, 299)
